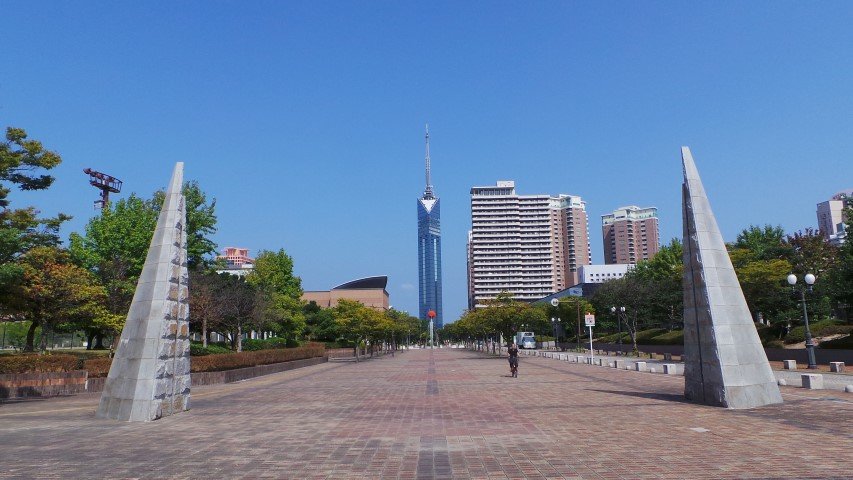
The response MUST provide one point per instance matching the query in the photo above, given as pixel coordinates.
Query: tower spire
(428, 192)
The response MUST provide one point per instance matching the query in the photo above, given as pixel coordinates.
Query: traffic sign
(589, 319)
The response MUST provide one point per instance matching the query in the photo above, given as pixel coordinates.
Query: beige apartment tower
(630, 234)
(831, 216)
(527, 245)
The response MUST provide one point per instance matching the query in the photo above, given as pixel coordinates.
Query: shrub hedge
(253, 345)
(843, 343)
(197, 350)
(229, 361)
(35, 363)
(98, 367)
(823, 327)
(209, 362)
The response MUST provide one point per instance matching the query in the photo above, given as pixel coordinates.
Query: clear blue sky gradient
(305, 119)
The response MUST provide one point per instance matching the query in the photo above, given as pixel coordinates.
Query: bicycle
(513, 369)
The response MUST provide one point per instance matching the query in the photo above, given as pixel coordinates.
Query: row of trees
(502, 316)
(90, 284)
(763, 257)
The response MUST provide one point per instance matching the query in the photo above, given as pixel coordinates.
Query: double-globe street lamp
(555, 322)
(619, 312)
(809, 279)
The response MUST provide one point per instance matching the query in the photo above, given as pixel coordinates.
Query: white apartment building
(527, 245)
(603, 273)
(831, 218)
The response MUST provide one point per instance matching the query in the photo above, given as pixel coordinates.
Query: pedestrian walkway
(442, 413)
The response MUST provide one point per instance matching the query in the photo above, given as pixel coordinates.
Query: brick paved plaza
(437, 414)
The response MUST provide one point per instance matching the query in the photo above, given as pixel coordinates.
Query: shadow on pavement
(669, 397)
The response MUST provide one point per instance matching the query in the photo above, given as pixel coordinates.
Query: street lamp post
(809, 279)
(619, 312)
(554, 323)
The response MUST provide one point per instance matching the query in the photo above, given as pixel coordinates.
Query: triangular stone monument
(150, 374)
(725, 364)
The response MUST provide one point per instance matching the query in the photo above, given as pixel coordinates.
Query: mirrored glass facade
(429, 259)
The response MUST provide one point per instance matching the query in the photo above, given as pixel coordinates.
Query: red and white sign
(589, 319)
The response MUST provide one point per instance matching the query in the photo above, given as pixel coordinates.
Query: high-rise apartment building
(831, 217)
(630, 234)
(527, 245)
(429, 250)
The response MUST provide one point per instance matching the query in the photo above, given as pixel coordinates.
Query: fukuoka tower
(429, 250)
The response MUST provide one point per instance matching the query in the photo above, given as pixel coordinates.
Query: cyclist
(513, 359)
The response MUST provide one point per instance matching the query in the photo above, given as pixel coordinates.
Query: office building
(831, 217)
(603, 273)
(630, 234)
(527, 245)
(370, 291)
(429, 250)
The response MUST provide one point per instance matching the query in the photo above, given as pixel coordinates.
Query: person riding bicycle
(513, 359)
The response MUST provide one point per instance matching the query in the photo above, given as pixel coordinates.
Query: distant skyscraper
(831, 217)
(630, 234)
(529, 246)
(429, 250)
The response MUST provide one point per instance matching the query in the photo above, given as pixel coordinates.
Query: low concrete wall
(823, 356)
(69, 383)
(229, 376)
(23, 385)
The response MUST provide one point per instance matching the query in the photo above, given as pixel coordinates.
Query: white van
(525, 340)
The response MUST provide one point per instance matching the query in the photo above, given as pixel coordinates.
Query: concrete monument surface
(150, 374)
(725, 364)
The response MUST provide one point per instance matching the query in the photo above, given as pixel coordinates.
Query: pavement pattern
(440, 414)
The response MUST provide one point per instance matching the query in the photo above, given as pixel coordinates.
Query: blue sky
(305, 119)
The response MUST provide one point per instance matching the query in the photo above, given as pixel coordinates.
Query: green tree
(354, 321)
(839, 280)
(273, 276)
(273, 272)
(55, 294)
(320, 323)
(662, 275)
(115, 244)
(201, 223)
(764, 243)
(811, 252)
(206, 308)
(404, 326)
(571, 311)
(281, 314)
(21, 164)
(114, 248)
(20, 160)
(505, 316)
(241, 309)
(632, 292)
(765, 288)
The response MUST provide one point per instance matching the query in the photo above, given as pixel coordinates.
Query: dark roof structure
(585, 290)
(365, 283)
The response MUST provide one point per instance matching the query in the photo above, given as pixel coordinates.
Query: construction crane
(105, 183)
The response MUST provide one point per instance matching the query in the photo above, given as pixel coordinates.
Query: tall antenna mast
(105, 183)
(428, 191)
